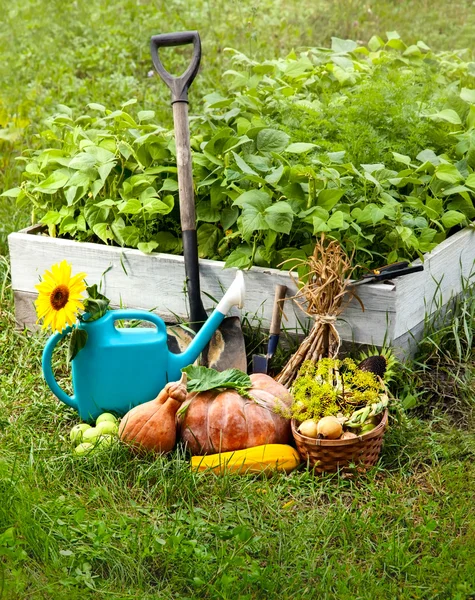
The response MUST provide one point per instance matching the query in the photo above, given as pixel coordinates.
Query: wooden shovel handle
(280, 291)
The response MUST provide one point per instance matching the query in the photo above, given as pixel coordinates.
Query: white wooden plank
(157, 282)
(444, 271)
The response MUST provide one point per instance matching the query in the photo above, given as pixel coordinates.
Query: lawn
(118, 526)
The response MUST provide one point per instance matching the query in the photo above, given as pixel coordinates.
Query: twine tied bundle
(323, 293)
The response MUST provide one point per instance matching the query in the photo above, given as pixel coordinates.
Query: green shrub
(284, 156)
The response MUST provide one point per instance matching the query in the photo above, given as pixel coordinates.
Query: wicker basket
(330, 455)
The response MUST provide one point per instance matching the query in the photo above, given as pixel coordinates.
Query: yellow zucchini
(260, 459)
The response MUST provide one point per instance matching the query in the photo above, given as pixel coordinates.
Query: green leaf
(272, 140)
(96, 106)
(12, 192)
(343, 46)
(329, 197)
(130, 236)
(51, 218)
(448, 173)
(68, 225)
(131, 207)
(145, 115)
(169, 185)
(82, 161)
(319, 225)
(53, 183)
(457, 189)
(251, 220)
(96, 304)
(103, 231)
(147, 247)
(159, 206)
(300, 147)
(105, 169)
(202, 379)
(275, 175)
(296, 68)
(375, 43)
(77, 341)
(337, 221)
(402, 158)
(434, 207)
(208, 237)
(241, 163)
(452, 218)
(229, 217)
(428, 156)
(279, 217)
(468, 95)
(470, 181)
(95, 214)
(167, 242)
(449, 115)
(253, 198)
(240, 258)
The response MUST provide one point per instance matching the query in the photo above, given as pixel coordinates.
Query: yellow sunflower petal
(42, 308)
(60, 320)
(69, 315)
(56, 287)
(61, 272)
(49, 319)
(45, 287)
(77, 280)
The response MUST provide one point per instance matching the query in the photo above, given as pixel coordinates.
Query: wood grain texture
(183, 160)
(157, 282)
(445, 269)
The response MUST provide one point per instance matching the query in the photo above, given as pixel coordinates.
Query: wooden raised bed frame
(394, 311)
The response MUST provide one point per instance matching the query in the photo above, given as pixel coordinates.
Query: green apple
(105, 440)
(84, 448)
(77, 432)
(106, 417)
(91, 435)
(107, 428)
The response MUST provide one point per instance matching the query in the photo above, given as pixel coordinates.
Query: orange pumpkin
(222, 421)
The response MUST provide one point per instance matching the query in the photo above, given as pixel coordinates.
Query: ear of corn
(260, 459)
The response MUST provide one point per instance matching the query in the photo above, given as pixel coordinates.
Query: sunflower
(59, 296)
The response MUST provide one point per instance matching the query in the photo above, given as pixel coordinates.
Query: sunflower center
(59, 297)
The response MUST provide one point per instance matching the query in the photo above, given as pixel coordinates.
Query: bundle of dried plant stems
(322, 295)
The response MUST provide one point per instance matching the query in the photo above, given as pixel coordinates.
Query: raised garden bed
(394, 311)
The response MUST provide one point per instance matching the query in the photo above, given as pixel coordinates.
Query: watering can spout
(234, 296)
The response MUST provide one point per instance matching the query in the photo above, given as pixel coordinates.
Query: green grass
(96, 51)
(116, 526)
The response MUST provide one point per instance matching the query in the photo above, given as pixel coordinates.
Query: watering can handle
(178, 85)
(48, 370)
(138, 315)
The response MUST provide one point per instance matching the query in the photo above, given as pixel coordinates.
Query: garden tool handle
(178, 85)
(48, 369)
(274, 330)
(179, 88)
(280, 291)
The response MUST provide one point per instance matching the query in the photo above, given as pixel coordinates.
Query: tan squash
(152, 426)
(223, 421)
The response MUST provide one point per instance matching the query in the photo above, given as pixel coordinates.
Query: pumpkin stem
(183, 379)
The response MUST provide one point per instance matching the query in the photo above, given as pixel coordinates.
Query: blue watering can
(119, 368)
